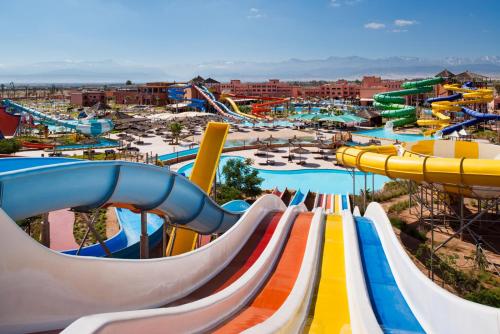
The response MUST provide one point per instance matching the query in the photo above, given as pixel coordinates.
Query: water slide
(258, 109)
(298, 198)
(203, 175)
(468, 168)
(218, 106)
(393, 103)
(403, 298)
(8, 123)
(237, 110)
(58, 288)
(464, 95)
(93, 127)
(177, 93)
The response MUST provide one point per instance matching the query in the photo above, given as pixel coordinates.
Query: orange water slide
(258, 109)
(279, 285)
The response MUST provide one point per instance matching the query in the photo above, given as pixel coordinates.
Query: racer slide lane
(330, 312)
(278, 287)
(214, 302)
(429, 308)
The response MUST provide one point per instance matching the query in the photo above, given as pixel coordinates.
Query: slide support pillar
(144, 241)
(46, 230)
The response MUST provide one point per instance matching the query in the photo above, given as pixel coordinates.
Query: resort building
(152, 93)
(87, 98)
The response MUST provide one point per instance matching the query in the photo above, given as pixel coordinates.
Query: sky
(159, 32)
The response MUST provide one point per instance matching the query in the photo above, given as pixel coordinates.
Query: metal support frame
(90, 229)
(144, 240)
(441, 212)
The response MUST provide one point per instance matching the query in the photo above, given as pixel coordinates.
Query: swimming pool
(318, 180)
(229, 143)
(102, 142)
(389, 134)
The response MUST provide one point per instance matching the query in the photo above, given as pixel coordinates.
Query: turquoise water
(103, 142)
(388, 134)
(318, 180)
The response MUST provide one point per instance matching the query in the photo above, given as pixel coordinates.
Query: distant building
(152, 93)
(87, 98)
(371, 85)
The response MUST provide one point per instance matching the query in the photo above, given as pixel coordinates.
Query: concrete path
(61, 230)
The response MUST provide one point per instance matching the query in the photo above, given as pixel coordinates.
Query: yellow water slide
(464, 96)
(468, 168)
(203, 174)
(331, 308)
(236, 109)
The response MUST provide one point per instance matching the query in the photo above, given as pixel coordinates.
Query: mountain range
(331, 68)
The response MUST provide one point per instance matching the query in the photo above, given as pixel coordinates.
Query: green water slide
(392, 103)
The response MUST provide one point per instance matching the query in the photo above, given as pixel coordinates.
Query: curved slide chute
(392, 103)
(42, 289)
(219, 106)
(453, 166)
(464, 95)
(93, 127)
(178, 93)
(237, 110)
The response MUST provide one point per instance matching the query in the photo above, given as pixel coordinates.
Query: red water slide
(258, 109)
(8, 123)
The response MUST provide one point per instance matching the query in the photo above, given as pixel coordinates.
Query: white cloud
(404, 23)
(338, 3)
(255, 14)
(399, 30)
(374, 25)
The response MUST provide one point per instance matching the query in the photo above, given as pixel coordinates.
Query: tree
(176, 129)
(128, 82)
(9, 146)
(240, 175)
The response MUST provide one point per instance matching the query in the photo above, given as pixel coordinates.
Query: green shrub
(399, 207)
(9, 146)
(490, 297)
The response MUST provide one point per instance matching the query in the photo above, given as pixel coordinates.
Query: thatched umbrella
(266, 149)
(257, 142)
(300, 150)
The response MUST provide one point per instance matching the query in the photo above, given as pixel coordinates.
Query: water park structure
(392, 103)
(276, 265)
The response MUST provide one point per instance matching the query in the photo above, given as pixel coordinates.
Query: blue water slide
(220, 104)
(390, 307)
(178, 94)
(478, 118)
(125, 244)
(236, 206)
(298, 198)
(453, 97)
(85, 185)
(345, 202)
(92, 127)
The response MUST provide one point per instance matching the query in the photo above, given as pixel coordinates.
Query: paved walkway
(61, 230)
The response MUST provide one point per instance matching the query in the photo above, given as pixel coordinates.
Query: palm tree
(175, 129)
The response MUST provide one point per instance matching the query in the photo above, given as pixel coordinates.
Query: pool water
(229, 143)
(317, 180)
(102, 142)
(382, 133)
